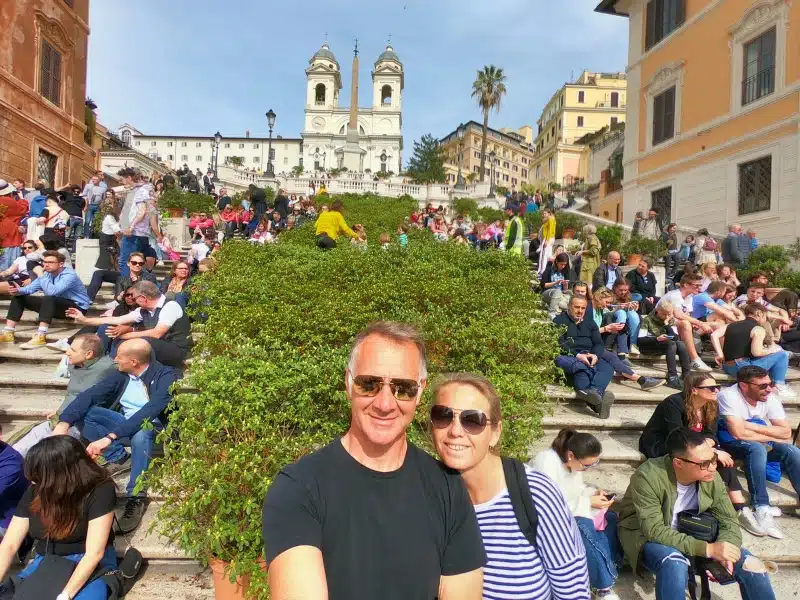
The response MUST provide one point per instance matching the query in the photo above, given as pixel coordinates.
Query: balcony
(608, 104)
(759, 85)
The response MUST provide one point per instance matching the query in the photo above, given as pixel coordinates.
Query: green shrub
(565, 219)
(489, 215)
(773, 260)
(269, 368)
(465, 206)
(643, 246)
(175, 198)
(612, 237)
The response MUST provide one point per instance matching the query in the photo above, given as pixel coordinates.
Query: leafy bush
(465, 206)
(565, 219)
(611, 237)
(489, 215)
(643, 246)
(773, 260)
(175, 198)
(268, 371)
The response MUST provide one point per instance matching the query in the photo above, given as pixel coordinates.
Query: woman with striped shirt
(466, 425)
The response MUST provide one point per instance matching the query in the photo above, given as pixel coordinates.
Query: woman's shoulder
(102, 499)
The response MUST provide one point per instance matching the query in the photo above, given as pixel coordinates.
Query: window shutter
(55, 77)
(650, 29)
(680, 12)
(669, 113)
(658, 115)
(44, 76)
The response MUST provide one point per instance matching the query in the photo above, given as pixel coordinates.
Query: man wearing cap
(515, 230)
(12, 212)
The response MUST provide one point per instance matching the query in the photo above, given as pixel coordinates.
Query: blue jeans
(634, 322)
(94, 590)
(756, 456)
(91, 211)
(603, 551)
(584, 377)
(153, 242)
(671, 569)
(99, 422)
(74, 227)
(8, 256)
(777, 364)
(129, 245)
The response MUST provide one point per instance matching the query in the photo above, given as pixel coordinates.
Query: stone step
(175, 580)
(13, 353)
(35, 375)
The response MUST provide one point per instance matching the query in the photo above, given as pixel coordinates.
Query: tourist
(208, 182)
(705, 248)
(554, 283)
(94, 194)
(68, 510)
(547, 236)
(12, 213)
(709, 306)
(402, 236)
(685, 479)
(330, 225)
(612, 327)
(695, 408)
(685, 325)
(709, 274)
(727, 274)
(754, 428)
(742, 344)
(75, 206)
(62, 290)
(778, 319)
(261, 235)
(570, 455)
(136, 272)
(12, 484)
(282, 204)
(729, 302)
(650, 227)
(607, 273)
(141, 390)
(466, 422)
(134, 218)
(657, 338)
(229, 216)
(643, 286)
(732, 247)
(590, 253)
(751, 238)
(686, 253)
(626, 311)
(23, 269)
(176, 285)
(324, 520)
(514, 232)
(673, 250)
(277, 224)
(202, 222)
(438, 226)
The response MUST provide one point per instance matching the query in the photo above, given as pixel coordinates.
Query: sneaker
(605, 408)
(132, 514)
(674, 382)
(765, 521)
(7, 337)
(785, 392)
(592, 397)
(39, 340)
(748, 522)
(699, 365)
(648, 383)
(626, 362)
(635, 350)
(115, 468)
(775, 511)
(61, 345)
(608, 594)
(160, 263)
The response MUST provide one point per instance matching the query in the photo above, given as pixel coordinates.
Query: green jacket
(645, 513)
(654, 325)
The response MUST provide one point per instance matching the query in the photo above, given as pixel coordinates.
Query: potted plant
(567, 225)
(199, 203)
(173, 201)
(637, 247)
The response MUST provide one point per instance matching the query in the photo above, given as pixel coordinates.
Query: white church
(373, 144)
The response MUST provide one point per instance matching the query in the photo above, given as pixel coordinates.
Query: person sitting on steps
(656, 338)
(685, 325)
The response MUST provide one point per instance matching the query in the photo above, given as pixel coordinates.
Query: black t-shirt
(72, 204)
(382, 535)
(99, 502)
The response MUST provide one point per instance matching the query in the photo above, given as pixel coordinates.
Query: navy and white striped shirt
(556, 569)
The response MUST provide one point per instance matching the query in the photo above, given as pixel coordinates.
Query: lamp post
(460, 134)
(492, 156)
(271, 123)
(217, 140)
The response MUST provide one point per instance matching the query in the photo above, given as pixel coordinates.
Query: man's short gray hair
(401, 333)
(147, 289)
(90, 342)
(734, 226)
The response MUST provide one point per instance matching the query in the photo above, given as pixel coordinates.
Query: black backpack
(519, 492)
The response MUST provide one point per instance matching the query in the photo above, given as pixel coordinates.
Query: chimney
(247, 133)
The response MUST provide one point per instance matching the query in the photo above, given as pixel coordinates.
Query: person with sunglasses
(695, 408)
(466, 423)
(685, 479)
(754, 428)
(370, 515)
(23, 269)
(682, 299)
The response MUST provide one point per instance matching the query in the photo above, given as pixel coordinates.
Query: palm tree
(489, 88)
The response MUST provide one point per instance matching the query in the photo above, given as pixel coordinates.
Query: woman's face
(28, 248)
(601, 302)
(642, 268)
(458, 449)
(581, 464)
(729, 296)
(706, 391)
(725, 272)
(560, 266)
(182, 270)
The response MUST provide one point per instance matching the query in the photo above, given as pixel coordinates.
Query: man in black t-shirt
(370, 515)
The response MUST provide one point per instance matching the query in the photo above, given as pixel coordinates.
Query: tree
(427, 163)
(236, 161)
(297, 170)
(488, 88)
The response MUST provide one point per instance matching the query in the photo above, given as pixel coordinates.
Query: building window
(538, 171)
(286, 160)
(50, 73)
(386, 95)
(614, 99)
(198, 145)
(256, 159)
(755, 185)
(663, 17)
(227, 145)
(477, 155)
(550, 165)
(256, 146)
(169, 144)
(661, 200)
(505, 177)
(137, 143)
(524, 173)
(614, 121)
(514, 181)
(664, 116)
(474, 169)
(580, 121)
(126, 137)
(286, 147)
(198, 158)
(184, 157)
(758, 78)
(241, 146)
(319, 94)
(152, 144)
(183, 144)
(515, 168)
(46, 167)
(553, 131)
(505, 164)
(581, 97)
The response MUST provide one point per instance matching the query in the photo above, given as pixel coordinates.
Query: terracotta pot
(223, 588)
(633, 259)
(568, 233)
(176, 213)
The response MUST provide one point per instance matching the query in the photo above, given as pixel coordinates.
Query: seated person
(277, 224)
(729, 302)
(626, 311)
(23, 269)
(200, 221)
(554, 283)
(643, 286)
(615, 334)
(657, 338)
(777, 318)
(176, 285)
(606, 274)
(661, 488)
(139, 392)
(757, 431)
(709, 275)
(137, 271)
(709, 306)
(164, 324)
(685, 325)
(743, 344)
(12, 484)
(63, 291)
(695, 408)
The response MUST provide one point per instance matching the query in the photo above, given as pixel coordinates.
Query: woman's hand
(725, 459)
(600, 501)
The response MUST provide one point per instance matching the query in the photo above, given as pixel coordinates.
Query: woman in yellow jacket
(330, 225)
(548, 237)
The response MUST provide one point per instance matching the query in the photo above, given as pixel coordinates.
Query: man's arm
(757, 336)
(159, 331)
(68, 279)
(131, 317)
(104, 391)
(33, 287)
(779, 431)
(299, 574)
(160, 398)
(466, 586)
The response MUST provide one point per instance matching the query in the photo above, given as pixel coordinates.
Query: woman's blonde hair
(601, 293)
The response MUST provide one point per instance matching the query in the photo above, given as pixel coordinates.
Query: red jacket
(12, 212)
(228, 216)
(206, 223)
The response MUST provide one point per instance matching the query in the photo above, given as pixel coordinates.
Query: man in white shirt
(682, 301)
(750, 399)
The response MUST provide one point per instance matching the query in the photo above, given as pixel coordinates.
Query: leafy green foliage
(489, 215)
(267, 378)
(775, 261)
(427, 163)
(466, 206)
(611, 237)
(568, 220)
(175, 198)
(645, 247)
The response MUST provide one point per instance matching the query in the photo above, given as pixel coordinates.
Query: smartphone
(610, 496)
(720, 573)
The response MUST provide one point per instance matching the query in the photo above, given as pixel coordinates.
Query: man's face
(651, 214)
(76, 354)
(691, 471)
(691, 288)
(664, 315)
(577, 309)
(19, 185)
(757, 390)
(125, 363)
(202, 215)
(383, 419)
(754, 294)
(95, 180)
(136, 263)
(613, 259)
(51, 265)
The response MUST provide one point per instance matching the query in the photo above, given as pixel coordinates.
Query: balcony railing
(608, 104)
(759, 85)
(319, 103)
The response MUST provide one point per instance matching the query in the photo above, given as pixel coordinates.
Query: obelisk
(351, 150)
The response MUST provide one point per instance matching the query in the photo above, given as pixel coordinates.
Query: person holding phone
(571, 454)
(656, 338)
(555, 282)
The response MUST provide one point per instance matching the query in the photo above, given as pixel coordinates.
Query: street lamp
(271, 123)
(460, 134)
(492, 156)
(217, 139)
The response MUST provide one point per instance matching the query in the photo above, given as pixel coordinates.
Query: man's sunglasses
(136, 263)
(705, 465)
(29, 248)
(371, 385)
(761, 386)
(472, 421)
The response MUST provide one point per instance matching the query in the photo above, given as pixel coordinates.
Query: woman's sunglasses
(136, 263)
(371, 385)
(711, 388)
(28, 248)
(472, 421)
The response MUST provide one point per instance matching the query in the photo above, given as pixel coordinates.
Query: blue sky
(183, 67)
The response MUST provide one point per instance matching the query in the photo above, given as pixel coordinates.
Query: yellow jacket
(549, 229)
(332, 222)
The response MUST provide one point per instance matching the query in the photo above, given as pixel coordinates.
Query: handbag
(47, 581)
(705, 527)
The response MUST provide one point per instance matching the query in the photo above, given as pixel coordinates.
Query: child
(402, 235)
(384, 239)
(685, 253)
(361, 240)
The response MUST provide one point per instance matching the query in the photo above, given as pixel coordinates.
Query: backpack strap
(519, 492)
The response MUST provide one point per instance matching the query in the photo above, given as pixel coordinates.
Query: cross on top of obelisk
(356, 50)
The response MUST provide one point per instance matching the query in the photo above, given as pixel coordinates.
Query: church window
(319, 94)
(386, 95)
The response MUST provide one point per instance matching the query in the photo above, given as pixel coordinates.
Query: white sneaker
(785, 392)
(608, 594)
(160, 263)
(748, 522)
(635, 350)
(775, 511)
(61, 345)
(764, 518)
(699, 365)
